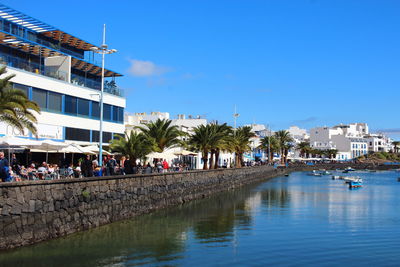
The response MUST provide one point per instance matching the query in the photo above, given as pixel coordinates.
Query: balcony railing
(19, 63)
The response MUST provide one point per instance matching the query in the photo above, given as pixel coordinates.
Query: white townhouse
(57, 70)
(347, 139)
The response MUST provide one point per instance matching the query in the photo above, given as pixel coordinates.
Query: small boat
(348, 169)
(350, 179)
(355, 184)
(286, 174)
(335, 177)
(372, 170)
(315, 174)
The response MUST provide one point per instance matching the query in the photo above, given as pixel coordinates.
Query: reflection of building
(57, 70)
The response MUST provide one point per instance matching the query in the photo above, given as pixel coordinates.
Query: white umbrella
(95, 149)
(50, 145)
(162, 155)
(185, 153)
(12, 141)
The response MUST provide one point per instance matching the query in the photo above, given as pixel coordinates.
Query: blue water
(298, 220)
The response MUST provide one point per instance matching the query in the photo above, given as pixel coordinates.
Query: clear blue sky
(304, 62)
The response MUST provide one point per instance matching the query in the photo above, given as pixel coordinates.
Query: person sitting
(32, 172)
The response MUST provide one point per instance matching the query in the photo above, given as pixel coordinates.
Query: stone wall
(35, 211)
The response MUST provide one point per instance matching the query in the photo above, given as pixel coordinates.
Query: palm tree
(304, 148)
(135, 145)
(330, 153)
(163, 134)
(218, 142)
(270, 145)
(284, 139)
(200, 141)
(15, 107)
(396, 145)
(240, 143)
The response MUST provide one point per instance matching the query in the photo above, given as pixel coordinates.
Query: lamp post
(103, 50)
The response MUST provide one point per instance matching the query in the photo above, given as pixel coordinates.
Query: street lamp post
(103, 50)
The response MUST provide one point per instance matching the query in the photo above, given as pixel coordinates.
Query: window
(22, 87)
(107, 136)
(115, 114)
(121, 114)
(107, 112)
(95, 110)
(40, 97)
(70, 105)
(76, 134)
(55, 102)
(83, 107)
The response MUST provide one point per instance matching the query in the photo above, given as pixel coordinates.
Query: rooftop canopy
(47, 30)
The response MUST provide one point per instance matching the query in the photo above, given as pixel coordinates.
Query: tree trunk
(216, 164)
(205, 160)
(211, 165)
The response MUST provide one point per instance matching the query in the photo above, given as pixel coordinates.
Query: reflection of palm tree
(272, 197)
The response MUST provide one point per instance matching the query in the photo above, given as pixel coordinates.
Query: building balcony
(26, 65)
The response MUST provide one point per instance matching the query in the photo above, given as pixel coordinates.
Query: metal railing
(36, 68)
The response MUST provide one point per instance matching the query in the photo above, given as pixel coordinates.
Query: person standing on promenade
(111, 164)
(87, 167)
(4, 168)
(128, 166)
(165, 166)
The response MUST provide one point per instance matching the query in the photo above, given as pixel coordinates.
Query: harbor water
(299, 220)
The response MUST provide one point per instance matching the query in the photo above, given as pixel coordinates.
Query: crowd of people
(12, 170)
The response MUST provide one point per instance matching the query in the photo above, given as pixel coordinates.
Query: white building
(347, 139)
(379, 143)
(56, 70)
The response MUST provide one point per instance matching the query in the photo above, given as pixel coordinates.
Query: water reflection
(315, 219)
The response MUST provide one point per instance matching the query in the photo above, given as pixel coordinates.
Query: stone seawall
(35, 211)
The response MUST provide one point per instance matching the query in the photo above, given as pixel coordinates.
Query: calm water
(288, 221)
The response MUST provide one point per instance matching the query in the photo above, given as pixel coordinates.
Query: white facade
(51, 67)
(348, 140)
(51, 125)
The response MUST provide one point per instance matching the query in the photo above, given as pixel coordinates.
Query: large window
(83, 107)
(107, 137)
(95, 110)
(40, 97)
(70, 105)
(22, 87)
(121, 114)
(55, 102)
(77, 134)
(107, 112)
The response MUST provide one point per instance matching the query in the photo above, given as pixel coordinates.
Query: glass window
(83, 107)
(40, 97)
(95, 110)
(77, 134)
(107, 112)
(115, 114)
(70, 105)
(22, 87)
(121, 114)
(55, 102)
(107, 136)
